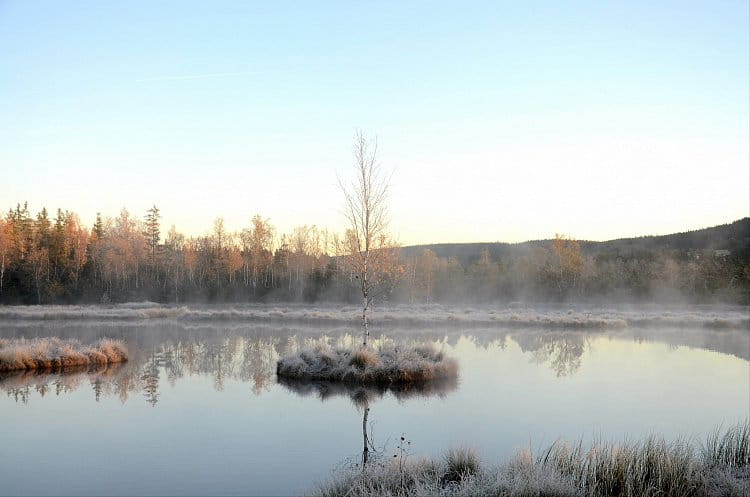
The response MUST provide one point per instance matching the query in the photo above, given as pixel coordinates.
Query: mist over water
(198, 409)
(514, 315)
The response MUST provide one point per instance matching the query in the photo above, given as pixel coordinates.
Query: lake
(198, 410)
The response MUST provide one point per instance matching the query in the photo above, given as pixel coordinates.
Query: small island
(385, 365)
(370, 254)
(55, 354)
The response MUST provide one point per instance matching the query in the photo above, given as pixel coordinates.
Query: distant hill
(734, 237)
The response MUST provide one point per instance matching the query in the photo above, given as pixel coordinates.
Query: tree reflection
(561, 351)
(150, 380)
(365, 438)
(363, 396)
(20, 385)
(247, 359)
(168, 353)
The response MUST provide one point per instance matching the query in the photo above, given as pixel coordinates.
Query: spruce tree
(99, 226)
(152, 234)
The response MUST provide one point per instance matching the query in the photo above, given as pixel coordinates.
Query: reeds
(385, 365)
(55, 354)
(730, 448)
(651, 467)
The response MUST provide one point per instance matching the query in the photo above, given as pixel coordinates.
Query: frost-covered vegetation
(500, 316)
(652, 467)
(56, 354)
(387, 364)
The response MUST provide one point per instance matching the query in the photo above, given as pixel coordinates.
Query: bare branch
(366, 213)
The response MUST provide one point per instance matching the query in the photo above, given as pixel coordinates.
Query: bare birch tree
(368, 248)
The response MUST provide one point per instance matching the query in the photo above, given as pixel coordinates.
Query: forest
(47, 259)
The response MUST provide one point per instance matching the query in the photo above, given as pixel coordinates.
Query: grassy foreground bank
(55, 354)
(652, 467)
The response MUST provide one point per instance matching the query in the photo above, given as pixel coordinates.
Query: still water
(198, 410)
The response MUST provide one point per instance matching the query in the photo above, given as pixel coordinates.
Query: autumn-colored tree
(567, 263)
(426, 267)
(22, 232)
(5, 248)
(38, 261)
(299, 255)
(125, 251)
(234, 262)
(60, 246)
(77, 242)
(261, 248)
(219, 242)
(175, 250)
(190, 256)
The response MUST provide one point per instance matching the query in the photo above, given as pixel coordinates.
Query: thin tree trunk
(366, 442)
(365, 329)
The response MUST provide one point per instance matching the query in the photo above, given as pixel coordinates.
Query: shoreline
(720, 466)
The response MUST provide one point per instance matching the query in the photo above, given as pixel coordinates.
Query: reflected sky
(198, 410)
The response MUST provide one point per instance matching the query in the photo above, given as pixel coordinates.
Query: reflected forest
(165, 355)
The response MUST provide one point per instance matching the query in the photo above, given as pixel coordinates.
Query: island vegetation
(54, 354)
(385, 365)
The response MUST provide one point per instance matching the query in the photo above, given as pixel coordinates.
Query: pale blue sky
(501, 120)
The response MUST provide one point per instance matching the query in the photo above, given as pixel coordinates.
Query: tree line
(48, 259)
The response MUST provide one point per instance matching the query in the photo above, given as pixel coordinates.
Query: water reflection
(560, 351)
(364, 396)
(102, 379)
(168, 353)
(222, 358)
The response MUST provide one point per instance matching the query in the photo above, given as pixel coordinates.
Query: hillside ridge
(734, 237)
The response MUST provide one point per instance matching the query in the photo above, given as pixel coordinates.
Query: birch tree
(368, 247)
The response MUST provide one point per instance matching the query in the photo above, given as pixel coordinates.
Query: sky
(500, 121)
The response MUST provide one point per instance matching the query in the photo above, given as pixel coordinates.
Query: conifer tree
(99, 226)
(152, 234)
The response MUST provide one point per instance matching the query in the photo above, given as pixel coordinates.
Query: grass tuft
(363, 358)
(460, 463)
(730, 449)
